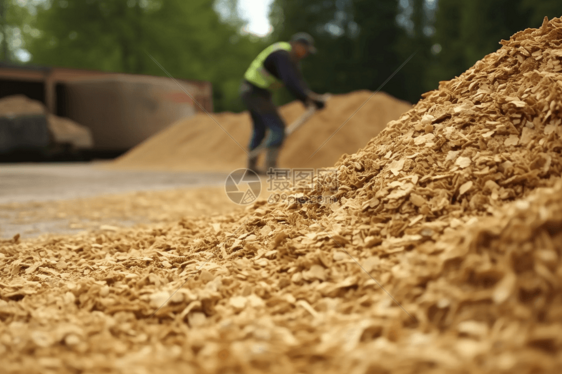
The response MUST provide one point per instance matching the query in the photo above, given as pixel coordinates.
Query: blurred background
(65, 53)
(84, 80)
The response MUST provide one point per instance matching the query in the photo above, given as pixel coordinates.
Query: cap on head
(306, 39)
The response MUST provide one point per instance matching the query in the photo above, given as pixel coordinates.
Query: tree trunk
(4, 47)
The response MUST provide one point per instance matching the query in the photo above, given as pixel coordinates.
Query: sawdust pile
(455, 209)
(63, 130)
(199, 143)
(66, 131)
(20, 104)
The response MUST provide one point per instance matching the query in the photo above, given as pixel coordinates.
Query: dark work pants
(264, 116)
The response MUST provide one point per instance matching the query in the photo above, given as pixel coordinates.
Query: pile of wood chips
(442, 254)
(63, 130)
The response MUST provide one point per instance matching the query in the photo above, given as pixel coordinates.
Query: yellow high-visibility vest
(258, 75)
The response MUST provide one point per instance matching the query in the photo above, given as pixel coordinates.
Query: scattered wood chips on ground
(455, 209)
(130, 208)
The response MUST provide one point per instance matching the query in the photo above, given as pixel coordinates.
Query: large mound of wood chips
(442, 254)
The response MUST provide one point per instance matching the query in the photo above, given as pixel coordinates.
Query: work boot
(271, 158)
(252, 164)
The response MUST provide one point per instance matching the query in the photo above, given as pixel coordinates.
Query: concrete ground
(26, 184)
(43, 182)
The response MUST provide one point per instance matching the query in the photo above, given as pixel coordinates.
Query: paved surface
(28, 183)
(44, 182)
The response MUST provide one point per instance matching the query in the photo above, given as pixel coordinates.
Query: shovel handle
(306, 115)
(310, 110)
(300, 121)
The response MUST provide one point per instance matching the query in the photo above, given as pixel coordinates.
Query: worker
(275, 66)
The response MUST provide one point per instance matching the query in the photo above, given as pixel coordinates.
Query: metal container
(121, 111)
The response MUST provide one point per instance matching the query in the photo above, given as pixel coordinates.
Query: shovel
(310, 110)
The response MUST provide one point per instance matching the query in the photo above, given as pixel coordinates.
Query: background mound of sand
(198, 143)
(20, 104)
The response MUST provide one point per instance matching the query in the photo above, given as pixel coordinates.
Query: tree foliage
(467, 30)
(356, 41)
(360, 42)
(13, 21)
(188, 38)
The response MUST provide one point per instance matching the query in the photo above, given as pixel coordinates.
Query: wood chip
(463, 162)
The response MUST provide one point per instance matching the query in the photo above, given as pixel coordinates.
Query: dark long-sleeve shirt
(279, 64)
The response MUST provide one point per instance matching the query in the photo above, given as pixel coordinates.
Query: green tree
(361, 42)
(448, 48)
(4, 30)
(540, 9)
(416, 19)
(356, 42)
(485, 23)
(374, 44)
(188, 38)
(14, 19)
(467, 30)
